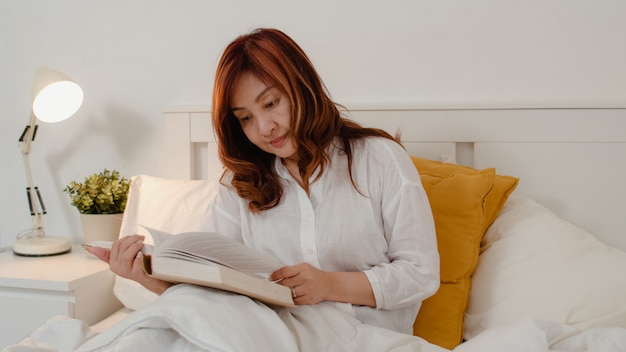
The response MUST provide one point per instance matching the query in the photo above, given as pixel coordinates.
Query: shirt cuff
(376, 288)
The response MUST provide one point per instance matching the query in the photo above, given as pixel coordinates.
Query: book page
(210, 246)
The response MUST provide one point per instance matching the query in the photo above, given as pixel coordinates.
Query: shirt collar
(281, 169)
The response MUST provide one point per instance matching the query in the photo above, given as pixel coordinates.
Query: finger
(294, 293)
(288, 282)
(138, 264)
(283, 273)
(101, 253)
(128, 241)
(127, 247)
(277, 275)
(118, 248)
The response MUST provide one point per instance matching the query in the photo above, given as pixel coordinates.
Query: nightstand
(32, 290)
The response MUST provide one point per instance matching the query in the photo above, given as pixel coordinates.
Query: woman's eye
(244, 118)
(271, 104)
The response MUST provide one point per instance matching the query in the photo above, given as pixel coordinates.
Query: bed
(529, 209)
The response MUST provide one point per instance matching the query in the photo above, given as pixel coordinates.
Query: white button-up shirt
(385, 229)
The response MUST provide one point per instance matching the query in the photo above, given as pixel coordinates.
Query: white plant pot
(101, 227)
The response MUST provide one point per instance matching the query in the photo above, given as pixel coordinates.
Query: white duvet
(190, 318)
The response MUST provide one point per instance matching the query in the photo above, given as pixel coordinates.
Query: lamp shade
(55, 96)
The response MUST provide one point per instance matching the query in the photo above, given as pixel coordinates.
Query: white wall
(133, 58)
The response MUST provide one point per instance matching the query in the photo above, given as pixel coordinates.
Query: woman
(341, 205)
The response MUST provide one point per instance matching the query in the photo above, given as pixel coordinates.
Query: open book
(210, 259)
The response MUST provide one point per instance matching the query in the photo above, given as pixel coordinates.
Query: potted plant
(100, 200)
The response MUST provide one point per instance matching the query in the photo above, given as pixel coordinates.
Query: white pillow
(534, 263)
(164, 204)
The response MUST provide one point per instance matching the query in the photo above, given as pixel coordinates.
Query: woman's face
(264, 113)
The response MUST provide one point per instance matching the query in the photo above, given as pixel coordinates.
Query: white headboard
(570, 160)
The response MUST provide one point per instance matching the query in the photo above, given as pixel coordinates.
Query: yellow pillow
(464, 202)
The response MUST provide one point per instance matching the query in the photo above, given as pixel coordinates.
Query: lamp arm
(28, 136)
(32, 192)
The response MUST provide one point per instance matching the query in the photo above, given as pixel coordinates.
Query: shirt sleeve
(412, 273)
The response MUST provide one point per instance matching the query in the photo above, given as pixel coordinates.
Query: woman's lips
(278, 142)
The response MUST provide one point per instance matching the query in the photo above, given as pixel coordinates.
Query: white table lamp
(55, 98)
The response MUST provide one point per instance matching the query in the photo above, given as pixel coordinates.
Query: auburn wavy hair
(277, 60)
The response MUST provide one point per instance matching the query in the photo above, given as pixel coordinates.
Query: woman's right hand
(126, 260)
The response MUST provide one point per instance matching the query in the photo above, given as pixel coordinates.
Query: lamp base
(42, 246)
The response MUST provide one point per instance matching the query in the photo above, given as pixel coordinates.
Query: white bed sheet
(111, 320)
(190, 318)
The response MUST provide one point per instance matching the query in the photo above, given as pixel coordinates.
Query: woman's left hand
(308, 284)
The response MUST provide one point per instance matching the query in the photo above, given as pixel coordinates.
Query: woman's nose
(266, 124)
